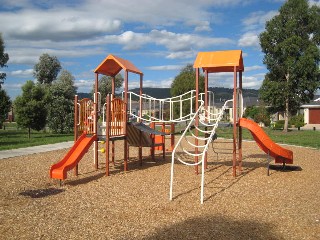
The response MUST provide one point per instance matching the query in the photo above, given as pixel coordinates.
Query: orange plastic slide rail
(280, 154)
(72, 158)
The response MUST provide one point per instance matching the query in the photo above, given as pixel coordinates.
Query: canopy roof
(112, 65)
(220, 61)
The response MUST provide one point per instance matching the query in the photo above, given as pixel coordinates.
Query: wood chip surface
(135, 204)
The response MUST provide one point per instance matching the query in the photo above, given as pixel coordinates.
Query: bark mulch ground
(135, 204)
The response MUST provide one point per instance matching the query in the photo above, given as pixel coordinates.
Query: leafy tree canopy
(4, 57)
(5, 105)
(291, 46)
(186, 81)
(30, 107)
(105, 86)
(60, 103)
(47, 69)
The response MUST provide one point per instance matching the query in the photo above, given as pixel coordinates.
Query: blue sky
(159, 37)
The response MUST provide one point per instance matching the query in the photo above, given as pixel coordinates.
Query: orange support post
(234, 154)
(108, 103)
(76, 120)
(95, 122)
(240, 128)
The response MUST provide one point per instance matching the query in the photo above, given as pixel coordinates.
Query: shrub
(297, 121)
(279, 124)
(258, 114)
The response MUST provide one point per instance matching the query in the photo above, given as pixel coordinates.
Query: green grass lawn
(12, 138)
(304, 138)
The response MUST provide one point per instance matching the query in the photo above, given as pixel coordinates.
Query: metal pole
(197, 119)
(95, 123)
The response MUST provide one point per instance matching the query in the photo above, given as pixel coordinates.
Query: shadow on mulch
(216, 227)
(84, 180)
(286, 168)
(41, 193)
(133, 165)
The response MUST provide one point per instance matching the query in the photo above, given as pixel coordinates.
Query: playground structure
(110, 122)
(114, 125)
(214, 62)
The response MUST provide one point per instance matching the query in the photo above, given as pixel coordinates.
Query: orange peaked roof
(220, 61)
(112, 65)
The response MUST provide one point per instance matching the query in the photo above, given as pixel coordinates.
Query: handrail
(79, 114)
(172, 102)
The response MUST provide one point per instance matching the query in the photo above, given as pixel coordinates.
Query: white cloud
(9, 4)
(22, 73)
(26, 54)
(176, 42)
(226, 80)
(166, 29)
(84, 85)
(61, 21)
(257, 20)
(251, 82)
(165, 67)
(249, 39)
(55, 25)
(314, 2)
(253, 26)
(166, 83)
(66, 21)
(12, 86)
(182, 55)
(183, 42)
(253, 68)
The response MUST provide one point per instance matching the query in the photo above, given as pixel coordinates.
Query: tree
(60, 103)
(47, 69)
(258, 114)
(184, 82)
(30, 107)
(105, 86)
(4, 57)
(290, 43)
(5, 105)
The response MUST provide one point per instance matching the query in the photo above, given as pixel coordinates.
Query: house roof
(112, 65)
(220, 61)
(313, 104)
(247, 102)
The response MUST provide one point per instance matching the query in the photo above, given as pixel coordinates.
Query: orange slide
(280, 154)
(81, 146)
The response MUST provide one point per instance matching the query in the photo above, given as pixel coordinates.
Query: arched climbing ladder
(206, 125)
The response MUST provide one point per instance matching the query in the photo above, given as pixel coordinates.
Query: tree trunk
(286, 116)
(286, 113)
(29, 133)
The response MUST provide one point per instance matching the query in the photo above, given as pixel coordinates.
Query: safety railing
(179, 108)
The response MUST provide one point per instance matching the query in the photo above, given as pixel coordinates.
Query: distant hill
(154, 92)
(220, 94)
(84, 95)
